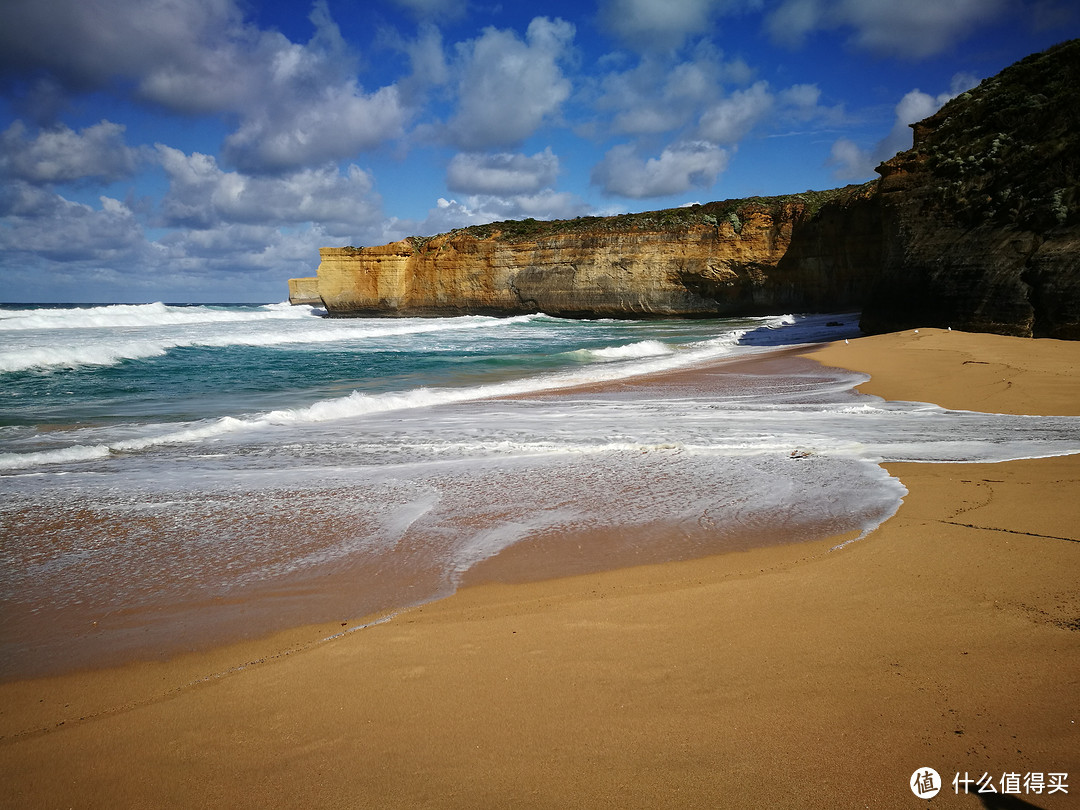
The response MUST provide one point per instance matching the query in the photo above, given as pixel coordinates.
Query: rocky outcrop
(976, 227)
(981, 218)
(305, 291)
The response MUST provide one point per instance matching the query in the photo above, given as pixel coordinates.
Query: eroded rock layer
(688, 262)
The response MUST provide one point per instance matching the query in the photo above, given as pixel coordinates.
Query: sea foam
(104, 333)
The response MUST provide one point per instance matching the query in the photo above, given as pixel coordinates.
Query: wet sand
(789, 676)
(103, 616)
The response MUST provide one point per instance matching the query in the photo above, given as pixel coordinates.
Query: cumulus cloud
(661, 94)
(502, 173)
(509, 87)
(62, 230)
(88, 45)
(337, 122)
(795, 19)
(61, 155)
(74, 248)
(297, 103)
(702, 152)
(914, 29)
(428, 60)
(732, 118)
(852, 162)
(680, 167)
(657, 24)
(801, 100)
(201, 195)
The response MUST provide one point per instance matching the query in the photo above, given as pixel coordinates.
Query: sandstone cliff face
(693, 266)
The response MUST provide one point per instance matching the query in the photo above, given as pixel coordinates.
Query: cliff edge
(976, 227)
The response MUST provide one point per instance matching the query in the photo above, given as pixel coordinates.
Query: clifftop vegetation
(1007, 152)
(713, 213)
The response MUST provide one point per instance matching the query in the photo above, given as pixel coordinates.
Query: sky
(203, 150)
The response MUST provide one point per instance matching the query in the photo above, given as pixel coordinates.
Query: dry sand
(791, 676)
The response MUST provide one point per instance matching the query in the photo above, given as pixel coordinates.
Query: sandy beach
(790, 676)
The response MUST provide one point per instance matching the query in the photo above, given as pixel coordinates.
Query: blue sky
(203, 150)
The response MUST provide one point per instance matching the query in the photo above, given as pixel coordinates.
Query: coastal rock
(304, 291)
(688, 262)
(976, 227)
(981, 217)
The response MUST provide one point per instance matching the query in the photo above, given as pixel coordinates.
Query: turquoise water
(174, 475)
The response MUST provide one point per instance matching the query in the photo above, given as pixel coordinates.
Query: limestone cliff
(976, 227)
(723, 258)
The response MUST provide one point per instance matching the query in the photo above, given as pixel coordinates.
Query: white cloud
(850, 161)
(660, 94)
(502, 173)
(801, 100)
(75, 250)
(679, 167)
(51, 226)
(91, 44)
(61, 155)
(916, 28)
(446, 216)
(660, 25)
(429, 66)
(731, 119)
(509, 87)
(201, 195)
(336, 122)
(297, 104)
(913, 29)
(795, 19)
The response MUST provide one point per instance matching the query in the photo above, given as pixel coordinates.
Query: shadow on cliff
(805, 329)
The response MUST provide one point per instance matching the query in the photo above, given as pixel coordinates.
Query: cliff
(724, 258)
(976, 227)
(981, 217)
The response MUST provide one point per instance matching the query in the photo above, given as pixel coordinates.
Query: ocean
(174, 476)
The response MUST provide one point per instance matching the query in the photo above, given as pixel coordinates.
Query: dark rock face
(981, 218)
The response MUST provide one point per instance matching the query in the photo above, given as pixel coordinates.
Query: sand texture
(791, 676)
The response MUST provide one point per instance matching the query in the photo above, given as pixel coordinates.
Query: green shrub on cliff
(1008, 151)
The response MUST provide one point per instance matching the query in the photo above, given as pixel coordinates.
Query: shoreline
(783, 676)
(44, 641)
